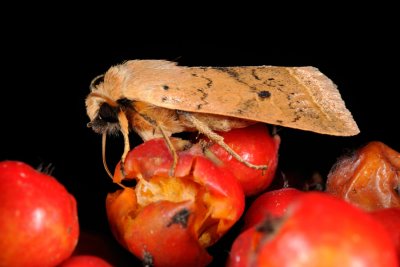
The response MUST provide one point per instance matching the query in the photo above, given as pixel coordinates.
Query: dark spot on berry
(269, 225)
(181, 217)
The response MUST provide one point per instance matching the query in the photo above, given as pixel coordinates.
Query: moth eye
(108, 113)
(96, 81)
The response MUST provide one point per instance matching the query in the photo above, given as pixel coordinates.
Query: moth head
(102, 109)
(108, 115)
(106, 120)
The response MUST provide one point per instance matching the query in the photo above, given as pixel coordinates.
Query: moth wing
(296, 97)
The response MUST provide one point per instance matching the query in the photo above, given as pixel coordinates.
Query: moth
(157, 98)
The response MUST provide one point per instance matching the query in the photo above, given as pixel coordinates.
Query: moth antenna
(94, 81)
(108, 100)
(176, 59)
(103, 154)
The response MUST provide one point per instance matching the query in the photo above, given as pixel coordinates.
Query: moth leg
(203, 128)
(157, 125)
(103, 154)
(170, 148)
(123, 122)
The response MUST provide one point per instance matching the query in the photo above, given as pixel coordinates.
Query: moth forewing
(157, 93)
(295, 97)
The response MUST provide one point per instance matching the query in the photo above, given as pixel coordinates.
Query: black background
(49, 60)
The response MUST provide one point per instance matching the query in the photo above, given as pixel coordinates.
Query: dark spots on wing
(203, 97)
(302, 110)
(279, 121)
(264, 94)
(165, 87)
(294, 104)
(231, 72)
(246, 106)
(254, 74)
(181, 218)
(209, 81)
(298, 117)
(163, 99)
(195, 75)
(201, 90)
(204, 91)
(271, 82)
(291, 96)
(236, 76)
